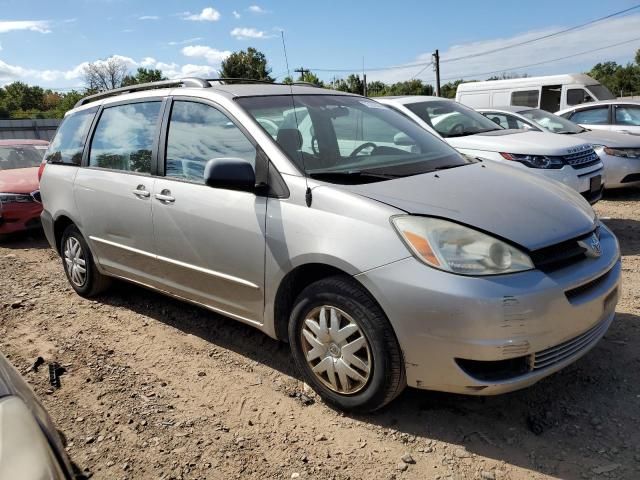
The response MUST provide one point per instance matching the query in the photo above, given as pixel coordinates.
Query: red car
(20, 204)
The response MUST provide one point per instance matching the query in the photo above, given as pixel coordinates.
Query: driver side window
(198, 133)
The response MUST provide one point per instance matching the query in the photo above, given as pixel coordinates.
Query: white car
(620, 153)
(567, 160)
(614, 115)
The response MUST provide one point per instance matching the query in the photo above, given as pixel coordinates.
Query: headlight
(452, 247)
(534, 161)
(623, 152)
(15, 198)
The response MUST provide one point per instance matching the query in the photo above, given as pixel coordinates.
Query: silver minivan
(384, 257)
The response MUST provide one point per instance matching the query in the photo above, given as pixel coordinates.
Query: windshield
(345, 139)
(601, 92)
(550, 122)
(452, 119)
(20, 156)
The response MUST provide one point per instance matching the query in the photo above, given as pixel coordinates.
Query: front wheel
(79, 266)
(344, 346)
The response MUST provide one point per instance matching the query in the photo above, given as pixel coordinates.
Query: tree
(638, 57)
(105, 74)
(24, 97)
(143, 75)
(448, 90)
(352, 84)
(250, 64)
(310, 77)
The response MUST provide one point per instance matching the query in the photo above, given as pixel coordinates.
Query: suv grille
(582, 159)
(560, 255)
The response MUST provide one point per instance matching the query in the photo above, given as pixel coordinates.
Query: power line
(526, 42)
(543, 62)
(371, 69)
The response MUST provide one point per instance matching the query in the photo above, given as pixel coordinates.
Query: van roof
(570, 78)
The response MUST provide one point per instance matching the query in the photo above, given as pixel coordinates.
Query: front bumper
(440, 319)
(619, 171)
(17, 217)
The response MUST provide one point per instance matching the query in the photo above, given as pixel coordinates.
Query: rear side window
(67, 145)
(199, 133)
(591, 116)
(124, 137)
(628, 115)
(527, 98)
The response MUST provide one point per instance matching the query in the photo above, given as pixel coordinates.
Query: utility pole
(364, 85)
(436, 66)
(301, 71)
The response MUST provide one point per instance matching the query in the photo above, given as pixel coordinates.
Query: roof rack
(182, 82)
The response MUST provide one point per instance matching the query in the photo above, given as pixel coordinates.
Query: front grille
(586, 287)
(551, 356)
(560, 255)
(582, 159)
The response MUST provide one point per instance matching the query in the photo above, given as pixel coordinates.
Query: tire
(379, 358)
(76, 256)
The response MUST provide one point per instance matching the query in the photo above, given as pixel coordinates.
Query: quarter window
(627, 115)
(124, 137)
(199, 133)
(527, 98)
(591, 116)
(68, 143)
(576, 96)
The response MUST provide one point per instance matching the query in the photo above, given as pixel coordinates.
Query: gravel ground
(155, 388)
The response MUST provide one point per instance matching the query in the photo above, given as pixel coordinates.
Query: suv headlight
(534, 161)
(458, 249)
(623, 152)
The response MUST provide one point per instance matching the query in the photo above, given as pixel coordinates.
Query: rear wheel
(344, 345)
(79, 266)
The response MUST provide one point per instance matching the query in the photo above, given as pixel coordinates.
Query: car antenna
(307, 196)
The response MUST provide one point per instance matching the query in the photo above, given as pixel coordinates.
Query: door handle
(165, 196)
(140, 192)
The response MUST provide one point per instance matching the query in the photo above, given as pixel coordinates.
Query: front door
(114, 191)
(210, 241)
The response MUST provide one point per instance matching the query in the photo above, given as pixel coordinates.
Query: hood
(19, 180)
(503, 200)
(519, 141)
(609, 139)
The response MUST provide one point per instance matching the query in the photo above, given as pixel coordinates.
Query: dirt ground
(156, 388)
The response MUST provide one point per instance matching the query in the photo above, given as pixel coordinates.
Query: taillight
(41, 169)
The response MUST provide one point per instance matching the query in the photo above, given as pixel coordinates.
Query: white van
(550, 93)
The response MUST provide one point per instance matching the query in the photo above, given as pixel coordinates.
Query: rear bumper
(47, 226)
(19, 217)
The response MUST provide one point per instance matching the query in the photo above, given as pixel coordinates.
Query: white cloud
(41, 26)
(184, 42)
(211, 55)
(208, 14)
(147, 62)
(256, 9)
(249, 33)
(149, 17)
(236, 15)
(596, 36)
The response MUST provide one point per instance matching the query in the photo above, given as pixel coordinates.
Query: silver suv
(384, 257)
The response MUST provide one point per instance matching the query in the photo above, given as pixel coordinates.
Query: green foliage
(409, 87)
(448, 90)
(251, 64)
(143, 75)
(620, 79)
(352, 84)
(310, 77)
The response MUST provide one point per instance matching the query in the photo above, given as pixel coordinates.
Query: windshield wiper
(352, 174)
(466, 133)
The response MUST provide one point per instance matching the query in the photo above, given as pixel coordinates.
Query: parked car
(30, 445)
(567, 160)
(550, 93)
(20, 205)
(381, 254)
(614, 115)
(620, 153)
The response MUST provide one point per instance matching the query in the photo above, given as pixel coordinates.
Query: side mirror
(401, 139)
(230, 173)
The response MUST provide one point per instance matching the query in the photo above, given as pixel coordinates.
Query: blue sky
(46, 43)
